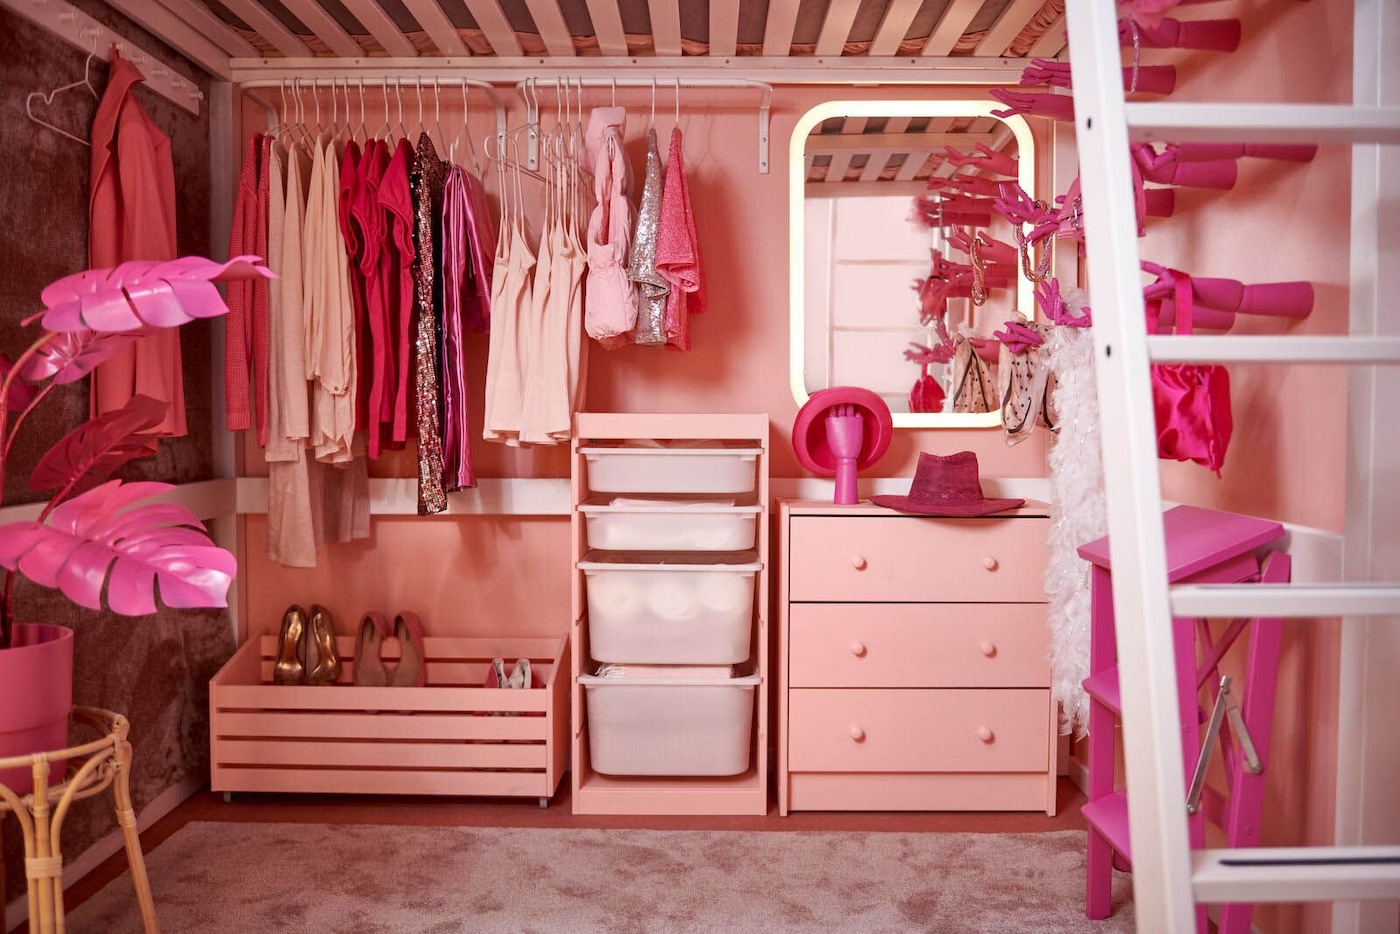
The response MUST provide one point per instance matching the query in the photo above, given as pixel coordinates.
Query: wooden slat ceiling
(870, 29)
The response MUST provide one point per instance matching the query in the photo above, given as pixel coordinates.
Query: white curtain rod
(88, 35)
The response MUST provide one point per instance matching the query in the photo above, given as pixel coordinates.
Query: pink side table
(1203, 547)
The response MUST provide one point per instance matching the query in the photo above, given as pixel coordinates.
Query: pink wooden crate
(446, 738)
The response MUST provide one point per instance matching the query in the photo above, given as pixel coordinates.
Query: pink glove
(997, 163)
(1167, 169)
(1210, 152)
(1020, 208)
(1277, 299)
(1150, 12)
(1211, 35)
(1151, 79)
(1052, 306)
(1051, 106)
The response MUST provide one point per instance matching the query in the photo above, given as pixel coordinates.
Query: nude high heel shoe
(369, 664)
(411, 670)
(322, 656)
(291, 647)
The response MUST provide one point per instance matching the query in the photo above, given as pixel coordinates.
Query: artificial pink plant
(90, 534)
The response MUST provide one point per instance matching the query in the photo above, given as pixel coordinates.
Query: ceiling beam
(175, 32)
(824, 144)
(894, 27)
(549, 20)
(1053, 42)
(607, 27)
(203, 21)
(270, 28)
(724, 27)
(864, 189)
(911, 166)
(665, 26)
(323, 27)
(874, 166)
(777, 31)
(1013, 19)
(951, 26)
(438, 27)
(836, 27)
(496, 27)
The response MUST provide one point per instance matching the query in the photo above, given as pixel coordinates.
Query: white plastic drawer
(671, 470)
(669, 614)
(652, 727)
(662, 527)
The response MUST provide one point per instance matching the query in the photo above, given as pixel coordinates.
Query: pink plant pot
(36, 696)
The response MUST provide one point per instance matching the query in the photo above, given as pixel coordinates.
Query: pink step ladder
(1203, 547)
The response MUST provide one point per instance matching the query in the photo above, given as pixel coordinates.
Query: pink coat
(132, 217)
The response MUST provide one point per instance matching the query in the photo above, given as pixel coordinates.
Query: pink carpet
(361, 879)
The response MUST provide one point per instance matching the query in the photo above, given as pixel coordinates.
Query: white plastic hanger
(49, 97)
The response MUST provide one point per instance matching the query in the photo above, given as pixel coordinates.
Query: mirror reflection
(882, 224)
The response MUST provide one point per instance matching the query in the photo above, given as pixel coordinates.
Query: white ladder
(1168, 878)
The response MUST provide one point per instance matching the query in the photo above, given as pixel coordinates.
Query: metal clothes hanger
(384, 132)
(398, 96)
(362, 129)
(652, 124)
(421, 127)
(48, 98)
(437, 112)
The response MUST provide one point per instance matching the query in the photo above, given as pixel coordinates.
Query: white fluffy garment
(1077, 516)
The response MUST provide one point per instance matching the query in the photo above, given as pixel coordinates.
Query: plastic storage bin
(651, 727)
(669, 614)
(718, 469)
(663, 526)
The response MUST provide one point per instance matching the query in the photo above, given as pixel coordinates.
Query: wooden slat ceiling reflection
(871, 29)
(900, 153)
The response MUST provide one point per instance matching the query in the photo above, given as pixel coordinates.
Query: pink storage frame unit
(594, 793)
(451, 737)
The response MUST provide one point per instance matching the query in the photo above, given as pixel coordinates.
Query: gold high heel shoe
(288, 668)
(322, 656)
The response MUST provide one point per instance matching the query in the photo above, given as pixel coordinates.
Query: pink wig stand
(814, 448)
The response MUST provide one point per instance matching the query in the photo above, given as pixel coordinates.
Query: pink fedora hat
(946, 486)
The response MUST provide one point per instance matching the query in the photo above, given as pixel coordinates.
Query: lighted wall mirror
(856, 255)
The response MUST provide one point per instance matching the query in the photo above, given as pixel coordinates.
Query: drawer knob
(988, 649)
(989, 562)
(858, 562)
(857, 734)
(985, 734)
(858, 649)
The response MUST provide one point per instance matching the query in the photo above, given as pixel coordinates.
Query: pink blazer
(131, 216)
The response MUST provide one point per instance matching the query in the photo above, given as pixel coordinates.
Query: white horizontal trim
(207, 499)
(1273, 349)
(1262, 123)
(1284, 881)
(641, 69)
(1303, 601)
(892, 142)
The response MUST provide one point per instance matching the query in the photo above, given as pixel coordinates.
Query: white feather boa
(1077, 516)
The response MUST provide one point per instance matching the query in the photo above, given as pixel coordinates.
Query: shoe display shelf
(670, 545)
(450, 737)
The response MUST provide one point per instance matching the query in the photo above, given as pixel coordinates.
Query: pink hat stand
(840, 432)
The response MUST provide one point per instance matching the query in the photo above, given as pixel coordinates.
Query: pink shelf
(1109, 816)
(1103, 687)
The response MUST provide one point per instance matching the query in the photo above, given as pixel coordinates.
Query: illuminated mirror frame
(797, 179)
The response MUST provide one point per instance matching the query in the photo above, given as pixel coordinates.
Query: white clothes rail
(83, 32)
(530, 88)
(356, 81)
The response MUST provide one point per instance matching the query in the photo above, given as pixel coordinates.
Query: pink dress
(678, 251)
(610, 311)
(375, 267)
(396, 198)
(511, 287)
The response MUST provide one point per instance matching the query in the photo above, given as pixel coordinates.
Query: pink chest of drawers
(912, 661)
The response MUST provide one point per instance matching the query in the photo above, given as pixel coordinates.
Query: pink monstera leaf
(135, 294)
(70, 356)
(107, 536)
(19, 395)
(97, 447)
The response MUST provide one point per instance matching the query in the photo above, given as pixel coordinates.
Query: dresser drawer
(912, 645)
(918, 730)
(896, 558)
